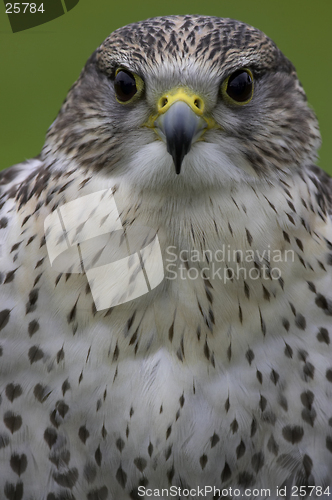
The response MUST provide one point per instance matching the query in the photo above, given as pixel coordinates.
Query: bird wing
(323, 183)
(15, 175)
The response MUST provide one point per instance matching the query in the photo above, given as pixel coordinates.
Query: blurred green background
(39, 65)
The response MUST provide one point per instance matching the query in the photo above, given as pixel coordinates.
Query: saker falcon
(165, 270)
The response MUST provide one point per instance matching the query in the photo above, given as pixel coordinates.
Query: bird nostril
(198, 103)
(163, 102)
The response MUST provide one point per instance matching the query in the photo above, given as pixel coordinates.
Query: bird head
(188, 102)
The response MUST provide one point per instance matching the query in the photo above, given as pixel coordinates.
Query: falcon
(165, 270)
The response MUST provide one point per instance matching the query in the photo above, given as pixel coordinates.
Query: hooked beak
(180, 122)
(179, 127)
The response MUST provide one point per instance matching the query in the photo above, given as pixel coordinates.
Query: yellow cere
(194, 101)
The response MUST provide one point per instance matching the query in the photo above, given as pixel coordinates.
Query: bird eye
(125, 85)
(239, 86)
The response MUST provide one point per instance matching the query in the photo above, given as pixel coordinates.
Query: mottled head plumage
(274, 132)
(213, 42)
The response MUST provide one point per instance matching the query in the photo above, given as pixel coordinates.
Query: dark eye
(240, 86)
(125, 85)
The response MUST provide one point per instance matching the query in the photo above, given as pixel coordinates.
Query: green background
(39, 65)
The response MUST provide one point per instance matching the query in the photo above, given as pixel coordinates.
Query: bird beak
(179, 127)
(180, 123)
